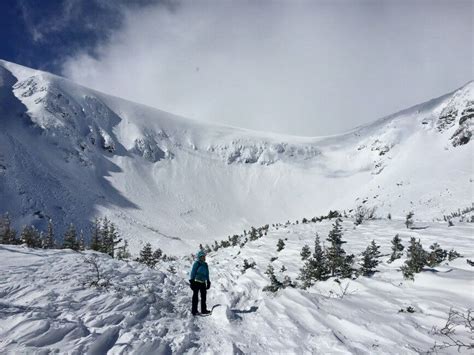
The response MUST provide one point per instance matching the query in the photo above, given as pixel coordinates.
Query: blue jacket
(200, 271)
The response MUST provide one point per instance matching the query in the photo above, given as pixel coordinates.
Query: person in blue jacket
(199, 282)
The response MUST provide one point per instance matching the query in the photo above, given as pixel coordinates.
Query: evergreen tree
(453, 254)
(305, 252)
(280, 245)
(110, 238)
(409, 219)
(248, 265)
(346, 268)
(81, 244)
(104, 236)
(146, 256)
(397, 248)
(336, 256)
(253, 234)
(48, 241)
(370, 259)
(436, 256)
(315, 268)
(157, 255)
(70, 238)
(122, 251)
(416, 259)
(7, 233)
(275, 285)
(96, 238)
(31, 237)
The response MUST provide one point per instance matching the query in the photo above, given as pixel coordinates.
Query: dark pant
(199, 287)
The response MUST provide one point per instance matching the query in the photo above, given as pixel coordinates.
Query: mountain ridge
(176, 182)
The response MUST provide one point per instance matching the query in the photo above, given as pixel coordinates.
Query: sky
(307, 68)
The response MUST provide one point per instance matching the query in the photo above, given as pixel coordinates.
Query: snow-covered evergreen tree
(253, 234)
(146, 256)
(157, 255)
(81, 244)
(48, 241)
(305, 252)
(436, 256)
(7, 233)
(70, 238)
(397, 248)
(416, 259)
(31, 237)
(275, 285)
(122, 251)
(338, 262)
(315, 268)
(370, 258)
(280, 245)
(110, 237)
(96, 235)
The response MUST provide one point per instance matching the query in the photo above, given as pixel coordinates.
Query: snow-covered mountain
(71, 153)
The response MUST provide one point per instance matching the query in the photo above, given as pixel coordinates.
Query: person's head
(201, 255)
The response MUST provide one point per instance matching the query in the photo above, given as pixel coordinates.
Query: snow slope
(46, 305)
(70, 153)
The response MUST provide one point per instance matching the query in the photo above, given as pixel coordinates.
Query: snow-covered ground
(71, 154)
(46, 305)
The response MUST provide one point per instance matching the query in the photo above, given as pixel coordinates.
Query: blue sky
(41, 33)
(306, 68)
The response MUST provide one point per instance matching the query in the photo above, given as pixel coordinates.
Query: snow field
(47, 306)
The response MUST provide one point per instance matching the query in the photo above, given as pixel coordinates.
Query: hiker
(199, 282)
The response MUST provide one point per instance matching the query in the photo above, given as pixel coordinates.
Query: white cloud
(306, 68)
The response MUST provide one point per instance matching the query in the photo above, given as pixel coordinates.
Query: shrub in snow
(409, 219)
(436, 256)
(416, 259)
(370, 258)
(280, 245)
(457, 333)
(338, 262)
(397, 248)
(305, 252)
(96, 278)
(362, 213)
(453, 254)
(248, 265)
(31, 237)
